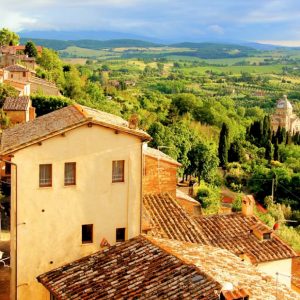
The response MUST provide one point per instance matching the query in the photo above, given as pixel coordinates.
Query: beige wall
(19, 76)
(18, 116)
(283, 266)
(54, 235)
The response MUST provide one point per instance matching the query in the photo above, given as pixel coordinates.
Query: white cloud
(216, 29)
(289, 43)
(16, 21)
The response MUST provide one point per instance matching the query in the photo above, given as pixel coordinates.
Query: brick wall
(159, 176)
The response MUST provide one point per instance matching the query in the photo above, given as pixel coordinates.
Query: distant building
(19, 109)
(284, 117)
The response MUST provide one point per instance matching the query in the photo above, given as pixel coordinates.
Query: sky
(276, 21)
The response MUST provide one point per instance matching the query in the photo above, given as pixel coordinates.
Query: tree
(4, 120)
(30, 49)
(288, 139)
(276, 150)
(223, 145)
(268, 152)
(235, 152)
(8, 38)
(204, 161)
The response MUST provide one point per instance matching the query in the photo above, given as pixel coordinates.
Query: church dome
(284, 103)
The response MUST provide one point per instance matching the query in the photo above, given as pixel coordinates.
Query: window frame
(91, 228)
(117, 177)
(124, 232)
(74, 173)
(45, 184)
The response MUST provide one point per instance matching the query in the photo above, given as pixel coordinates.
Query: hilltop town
(131, 179)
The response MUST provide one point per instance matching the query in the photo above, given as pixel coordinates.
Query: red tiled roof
(17, 104)
(135, 269)
(234, 233)
(167, 219)
(23, 135)
(16, 68)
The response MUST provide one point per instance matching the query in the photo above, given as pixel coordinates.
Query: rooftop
(16, 103)
(165, 218)
(16, 68)
(223, 266)
(234, 233)
(160, 155)
(135, 269)
(56, 122)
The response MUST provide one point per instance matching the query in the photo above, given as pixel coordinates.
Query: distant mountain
(91, 44)
(85, 35)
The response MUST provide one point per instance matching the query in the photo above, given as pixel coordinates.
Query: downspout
(142, 181)
(16, 223)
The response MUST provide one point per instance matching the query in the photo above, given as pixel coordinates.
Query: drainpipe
(16, 223)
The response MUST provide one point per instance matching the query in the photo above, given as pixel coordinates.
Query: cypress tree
(288, 139)
(235, 152)
(276, 151)
(268, 152)
(223, 145)
(279, 135)
(266, 130)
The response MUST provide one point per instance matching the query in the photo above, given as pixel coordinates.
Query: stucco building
(19, 109)
(284, 117)
(76, 188)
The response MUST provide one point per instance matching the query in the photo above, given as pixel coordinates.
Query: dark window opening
(267, 236)
(7, 169)
(87, 233)
(120, 235)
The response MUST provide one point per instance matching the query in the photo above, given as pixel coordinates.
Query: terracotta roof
(225, 267)
(16, 68)
(17, 103)
(160, 155)
(41, 128)
(182, 195)
(135, 269)
(165, 218)
(234, 233)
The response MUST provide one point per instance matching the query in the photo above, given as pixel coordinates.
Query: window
(45, 175)
(118, 171)
(52, 297)
(267, 236)
(7, 168)
(70, 173)
(120, 235)
(87, 233)
(24, 74)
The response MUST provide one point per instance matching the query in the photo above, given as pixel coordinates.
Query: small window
(267, 236)
(120, 235)
(7, 168)
(52, 297)
(118, 170)
(11, 76)
(45, 175)
(87, 233)
(24, 74)
(70, 173)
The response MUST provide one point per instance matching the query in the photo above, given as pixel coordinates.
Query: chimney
(248, 203)
(237, 294)
(133, 121)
